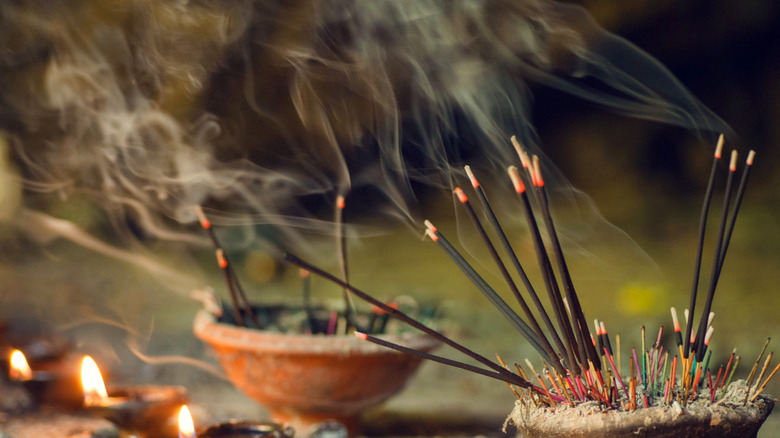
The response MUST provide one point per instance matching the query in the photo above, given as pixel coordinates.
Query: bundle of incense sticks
(580, 366)
(334, 323)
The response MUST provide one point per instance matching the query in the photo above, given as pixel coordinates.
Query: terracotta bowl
(306, 379)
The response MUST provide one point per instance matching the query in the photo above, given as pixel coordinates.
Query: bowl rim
(208, 329)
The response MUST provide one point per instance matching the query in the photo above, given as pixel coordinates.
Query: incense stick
(700, 246)
(735, 210)
(540, 337)
(700, 347)
(550, 282)
(544, 263)
(483, 287)
(395, 313)
(506, 376)
(579, 323)
(237, 295)
(341, 251)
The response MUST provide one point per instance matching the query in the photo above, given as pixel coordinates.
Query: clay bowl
(307, 379)
(697, 420)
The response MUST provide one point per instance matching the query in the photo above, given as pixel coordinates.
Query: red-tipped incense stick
(700, 347)
(702, 225)
(551, 355)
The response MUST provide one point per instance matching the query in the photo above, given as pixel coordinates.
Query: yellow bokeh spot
(635, 298)
(260, 267)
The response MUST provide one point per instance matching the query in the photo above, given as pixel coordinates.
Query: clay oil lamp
(231, 429)
(146, 411)
(55, 384)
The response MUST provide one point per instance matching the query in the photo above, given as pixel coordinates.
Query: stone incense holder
(725, 419)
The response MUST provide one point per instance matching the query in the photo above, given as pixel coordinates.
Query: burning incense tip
(719, 147)
(430, 226)
(538, 181)
(733, 162)
(221, 258)
(340, 202)
(360, 335)
(675, 320)
(750, 157)
(708, 336)
(380, 311)
(517, 182)
(462, 196)
(304, 273)
(472, 178)
(432, 235)
(204, 221)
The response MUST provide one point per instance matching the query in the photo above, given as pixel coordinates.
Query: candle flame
(92, 381)
(20, 370)
(186, 426)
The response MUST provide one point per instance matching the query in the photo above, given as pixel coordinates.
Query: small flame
(186, 426)
(20, 370)
(92, 381)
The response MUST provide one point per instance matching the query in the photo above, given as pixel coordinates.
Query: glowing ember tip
(340, 202)
(92, 381)
(360, 335)
(430, 226)
(719, 147)
(20, 369)
(708, 336)
(750, 157)
(304, 273)
(186, 426)
(517, 182)
(472, 178)
(538, 181)
(221, 259)
(431, 234)
(676, 321)
(461, 196)
(733, 162)
(204, 221)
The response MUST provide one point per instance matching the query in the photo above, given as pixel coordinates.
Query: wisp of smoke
(266, 110)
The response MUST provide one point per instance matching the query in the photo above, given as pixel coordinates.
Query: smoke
(266, 111)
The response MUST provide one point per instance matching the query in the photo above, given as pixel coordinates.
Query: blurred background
(232, 107)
